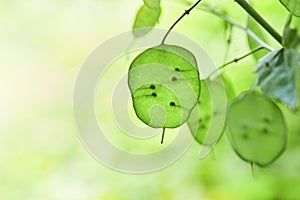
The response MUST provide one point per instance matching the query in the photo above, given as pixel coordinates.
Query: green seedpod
(165, 86)
(152, 3)
(256, 128)
(207, 120)
(145, 19)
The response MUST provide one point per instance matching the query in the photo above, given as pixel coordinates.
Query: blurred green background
(42, 46)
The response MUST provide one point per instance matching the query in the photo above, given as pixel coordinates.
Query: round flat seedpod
(257, 130)
(165, 86)
(207, 120)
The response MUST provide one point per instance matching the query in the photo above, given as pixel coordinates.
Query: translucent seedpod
(146, 18)
(165, 86)
(207, 120)
(256, 128)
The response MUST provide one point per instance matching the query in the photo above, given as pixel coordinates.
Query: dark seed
(245, 136)
(174, 78)
(172, 103)
(267, 120)
(154, 94)
(265, 131)
(215, 113)
(176, 69)
(152, 87)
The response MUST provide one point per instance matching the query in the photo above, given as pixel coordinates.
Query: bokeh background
(42, 46)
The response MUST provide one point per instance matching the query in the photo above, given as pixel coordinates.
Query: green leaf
(277, 75)
(293, 6)
(165, 86)
(255, 28)
(256, 128)
(152, 3)
(207, 119)
(291, 39)
(145, 20)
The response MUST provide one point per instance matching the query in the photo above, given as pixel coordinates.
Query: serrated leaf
(277, 75)
(256, 128)
(207, 119)
(165, 86)
(145, 20)
(152, 3)
(255, 28)
(293, 6)
(291, 39)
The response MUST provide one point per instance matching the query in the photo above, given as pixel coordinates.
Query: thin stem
(237, 25)
(253, 170)
(186, 12)
(235, 60)
(212, 155)
(228, 41)
(260, 20)
(229, 20)
(162, 136)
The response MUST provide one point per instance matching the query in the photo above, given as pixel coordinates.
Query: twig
(186, 12)
(228, 41)
(235, 60)
(260, 20)
(163, 136)
(237, 25)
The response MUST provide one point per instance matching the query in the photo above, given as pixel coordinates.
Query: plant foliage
(167, 76)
